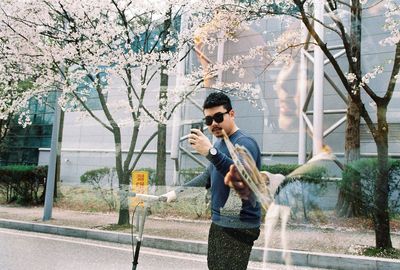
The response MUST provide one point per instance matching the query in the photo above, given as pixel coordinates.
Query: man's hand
(199, 142)
(169, 196)
(234, 180)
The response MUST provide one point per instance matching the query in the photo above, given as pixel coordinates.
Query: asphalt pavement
(44, 251)
(190, 237)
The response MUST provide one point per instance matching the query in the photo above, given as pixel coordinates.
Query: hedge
(23, 184)
(363, 173)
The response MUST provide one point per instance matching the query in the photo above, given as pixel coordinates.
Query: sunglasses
(218, 118)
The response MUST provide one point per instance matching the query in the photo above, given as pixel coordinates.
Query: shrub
(364, 171)
(301, 189)
(102, 181)
(284, 169)
(23, 184)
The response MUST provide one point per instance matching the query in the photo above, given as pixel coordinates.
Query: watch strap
(210, 156)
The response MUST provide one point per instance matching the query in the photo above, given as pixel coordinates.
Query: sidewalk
(191, 236)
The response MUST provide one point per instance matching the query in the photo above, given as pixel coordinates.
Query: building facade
(273, 122)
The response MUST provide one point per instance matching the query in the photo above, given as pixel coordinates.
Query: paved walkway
(305, 240)
(301, 237)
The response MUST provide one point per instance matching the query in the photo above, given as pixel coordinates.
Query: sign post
(140, 184)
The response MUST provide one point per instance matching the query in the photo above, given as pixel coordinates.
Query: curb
(298, 258)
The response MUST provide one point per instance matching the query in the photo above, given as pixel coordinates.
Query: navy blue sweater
(227, 209)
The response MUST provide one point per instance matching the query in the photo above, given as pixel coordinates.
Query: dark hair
(216, 99)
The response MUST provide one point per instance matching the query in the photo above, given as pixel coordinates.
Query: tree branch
(90, 112)
(103, 103)
(183, 99)
(393, 78)
(142, 150)
(324, 48)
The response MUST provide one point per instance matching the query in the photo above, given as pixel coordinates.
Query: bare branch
(183, 99)
(324, 48)
(393, 78)
(104, 106)
(90, 112)
(141, 151)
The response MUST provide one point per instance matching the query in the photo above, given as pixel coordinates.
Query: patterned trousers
(229, 248)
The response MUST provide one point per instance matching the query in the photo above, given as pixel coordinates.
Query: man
(235, 222)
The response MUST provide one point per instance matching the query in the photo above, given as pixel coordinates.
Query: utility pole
(51, 173)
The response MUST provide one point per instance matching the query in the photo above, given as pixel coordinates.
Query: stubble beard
(217, 131)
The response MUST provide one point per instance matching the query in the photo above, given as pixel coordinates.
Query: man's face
(227, 123)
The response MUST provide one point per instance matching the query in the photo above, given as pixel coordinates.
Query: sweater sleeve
(222, 161)
(199, 181)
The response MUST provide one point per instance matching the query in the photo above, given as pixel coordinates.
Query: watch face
(213, 151)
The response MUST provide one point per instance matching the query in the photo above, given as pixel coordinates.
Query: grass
(83, 198)
(115, 227)
(191, 205)
(80, 198)
(391, 253)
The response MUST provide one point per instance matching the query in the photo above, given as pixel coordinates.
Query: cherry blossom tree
(14, 83)
(357, 80)
(344, 21)
(85, 48)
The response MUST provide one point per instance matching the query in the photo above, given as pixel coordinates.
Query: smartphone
(198, 126)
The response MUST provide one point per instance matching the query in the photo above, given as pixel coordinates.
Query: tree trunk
(161, 156)
(126, 176)
(162, 138)
(123, 217)
(381, 213)
(349, 201)
(4, 127)
(162, 128)
(123, 214)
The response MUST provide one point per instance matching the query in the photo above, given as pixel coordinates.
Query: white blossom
(351, 77)
(392, 23)
(371, 75)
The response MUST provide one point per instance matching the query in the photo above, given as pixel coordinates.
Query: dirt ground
(330, 238)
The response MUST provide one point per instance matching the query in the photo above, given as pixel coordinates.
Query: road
(30, 250)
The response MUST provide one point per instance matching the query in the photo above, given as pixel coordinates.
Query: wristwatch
(212, 153)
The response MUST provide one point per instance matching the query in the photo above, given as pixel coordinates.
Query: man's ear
(232, 113)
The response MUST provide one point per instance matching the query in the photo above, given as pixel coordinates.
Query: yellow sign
(140, 184)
